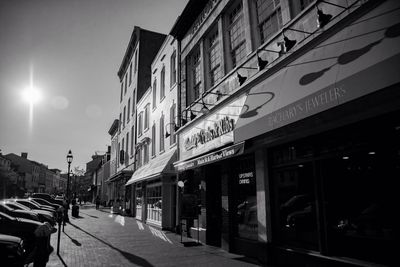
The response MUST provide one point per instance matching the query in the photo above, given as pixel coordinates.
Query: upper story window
(127, 147)
(123, 123)
(154, 93)
(133, 101)
(139, 157)
(214, 57)
(130, 74)
(122, 90)
(145, 153)
(140, 122)
(135, 62)
(129, 110)
(162, 85)
(173, 68)
(296, 6)
(162, 133)
(236, 35)
(153, 140)
(146, 116)
(120, 122)
(132, 139)
(172, 139)
(194, 73)
(269, 18)
(126, 82)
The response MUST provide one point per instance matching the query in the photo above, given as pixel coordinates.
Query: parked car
(19, 227)
(12, 251)
(48, 197)
(42, 201)
(44, 215)
(32, 205)
(18, 213)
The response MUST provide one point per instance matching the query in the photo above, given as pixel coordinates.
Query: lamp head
(69, 156)
(241, 79)
(323, 18)
(289, 43)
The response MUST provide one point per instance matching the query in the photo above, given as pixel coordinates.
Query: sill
(172, 86)
(139, 135)
(146, 130)
(173, 145)
(153, 156)
(161, 151)
(161, 99)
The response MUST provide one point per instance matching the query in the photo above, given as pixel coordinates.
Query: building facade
(292, 144)
(135, 77)
(154, 181)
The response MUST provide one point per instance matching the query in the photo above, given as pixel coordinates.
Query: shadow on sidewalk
(62, 260)
(89, 215)
(130, 257)
(76, 242)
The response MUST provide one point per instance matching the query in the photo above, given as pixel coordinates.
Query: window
(135, 66)
(162, 85)
(120, 122)
(133, 101)
(269, 18)
(130, 73)
(129, 110)
(118, 154)
(154, 93)
(162, 132)
(146, 116)
(145, 153)
(214, 56)
(126, 82)
(122, 152)
(123, 123)
(153, 140)
(127, 148)
(296, 6)
(194, 73)
(140, 121)
(122, 90)
(172, 138)
(132, 140)
(173, 68)
(139, 157)
(154, 203)
(236, 35)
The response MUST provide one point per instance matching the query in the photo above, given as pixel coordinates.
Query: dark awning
(225, 153)
(360, 59)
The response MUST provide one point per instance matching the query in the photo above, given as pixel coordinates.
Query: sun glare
(31, 95)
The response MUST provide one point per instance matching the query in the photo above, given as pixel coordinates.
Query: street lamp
(69, 160)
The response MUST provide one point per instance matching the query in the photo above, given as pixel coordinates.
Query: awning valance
(227, 152)
(120, 175)
(158, 166)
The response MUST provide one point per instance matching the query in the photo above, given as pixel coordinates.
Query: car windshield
(28, 204)
(17, 206)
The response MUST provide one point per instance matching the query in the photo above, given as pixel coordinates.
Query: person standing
(97, 202)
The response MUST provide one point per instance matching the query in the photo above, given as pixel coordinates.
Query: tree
(8, 182)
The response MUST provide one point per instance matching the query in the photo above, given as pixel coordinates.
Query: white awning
(162, 164)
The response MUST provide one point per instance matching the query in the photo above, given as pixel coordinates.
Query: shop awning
(158, 166)
(119, 175)
(225, 153)
(360, 59)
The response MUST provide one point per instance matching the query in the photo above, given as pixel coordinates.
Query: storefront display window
(246, 199)
(154, 203)
(335, 192)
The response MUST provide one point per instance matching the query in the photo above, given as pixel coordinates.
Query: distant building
(27, 169)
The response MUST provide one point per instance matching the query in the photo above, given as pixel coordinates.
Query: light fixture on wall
(176, 128)
(323, 18)
(290, 43)
(204, 109)
(263, 63)
(242, 79)
(192, 115)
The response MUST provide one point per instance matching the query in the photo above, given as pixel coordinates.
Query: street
(99, 238)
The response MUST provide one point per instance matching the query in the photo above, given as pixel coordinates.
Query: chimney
(24, 155)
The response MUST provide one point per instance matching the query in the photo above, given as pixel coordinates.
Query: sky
(70, 51)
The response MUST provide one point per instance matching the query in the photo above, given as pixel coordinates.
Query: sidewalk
(99, 238)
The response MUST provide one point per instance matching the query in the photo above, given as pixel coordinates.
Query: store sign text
(219, 128)
(244, 178)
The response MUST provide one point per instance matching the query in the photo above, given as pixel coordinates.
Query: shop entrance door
(213, 206)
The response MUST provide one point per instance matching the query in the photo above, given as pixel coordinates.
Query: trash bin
(75, 211)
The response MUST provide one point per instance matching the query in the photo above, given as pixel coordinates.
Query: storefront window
(246, 199)
(154, 204)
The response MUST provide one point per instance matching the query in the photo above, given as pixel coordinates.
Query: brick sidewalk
(99, 238)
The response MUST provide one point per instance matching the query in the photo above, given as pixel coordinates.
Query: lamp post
(69, 161)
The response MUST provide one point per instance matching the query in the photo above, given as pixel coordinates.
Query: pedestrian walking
(43, 249)
(97, 202)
